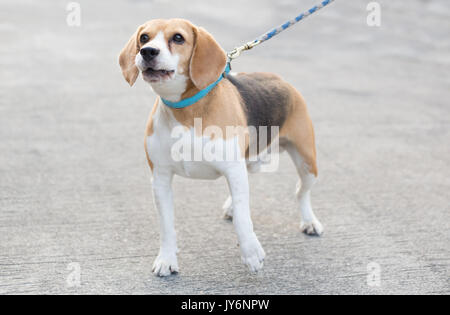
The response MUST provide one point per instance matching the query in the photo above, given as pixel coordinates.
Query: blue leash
(237, 52)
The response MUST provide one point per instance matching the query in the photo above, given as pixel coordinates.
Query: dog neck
(176, 89)
(188, 100)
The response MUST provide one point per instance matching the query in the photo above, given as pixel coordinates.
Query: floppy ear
(208, 59)
(127, 56)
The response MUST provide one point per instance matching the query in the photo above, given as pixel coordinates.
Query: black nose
(149, 53)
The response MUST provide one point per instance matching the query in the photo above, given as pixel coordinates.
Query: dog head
(172, 55)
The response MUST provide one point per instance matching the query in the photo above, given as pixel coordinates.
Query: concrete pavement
(75, 187)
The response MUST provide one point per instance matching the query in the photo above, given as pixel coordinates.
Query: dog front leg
(166, 262)
(251, 250)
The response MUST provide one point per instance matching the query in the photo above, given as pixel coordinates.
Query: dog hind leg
(309, 225)
(228, 209)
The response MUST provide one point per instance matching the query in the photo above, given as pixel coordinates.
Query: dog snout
(149, 53)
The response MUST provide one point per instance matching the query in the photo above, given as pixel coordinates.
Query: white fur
(139, 62)
(171, 89)
(160, 145)
(166, 262)
(228, 209)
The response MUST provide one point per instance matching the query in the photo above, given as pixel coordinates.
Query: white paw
(312, 228)
(253, 254)
(165, 265)
(228, 209)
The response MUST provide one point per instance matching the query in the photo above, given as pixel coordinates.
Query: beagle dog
(183, 63)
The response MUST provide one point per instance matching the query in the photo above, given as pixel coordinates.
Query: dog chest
(174, 146)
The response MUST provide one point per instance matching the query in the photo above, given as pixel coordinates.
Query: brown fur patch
(220, 108)
(299, 130)
(208, 59)
(126, 58)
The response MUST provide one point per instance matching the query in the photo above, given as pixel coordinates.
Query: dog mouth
(154, 75)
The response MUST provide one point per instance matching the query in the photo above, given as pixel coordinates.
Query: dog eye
(144, 38)
(177, 38)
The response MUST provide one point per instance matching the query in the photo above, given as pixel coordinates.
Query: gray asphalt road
(75, 188)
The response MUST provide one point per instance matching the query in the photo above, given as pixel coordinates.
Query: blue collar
(197, 97)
